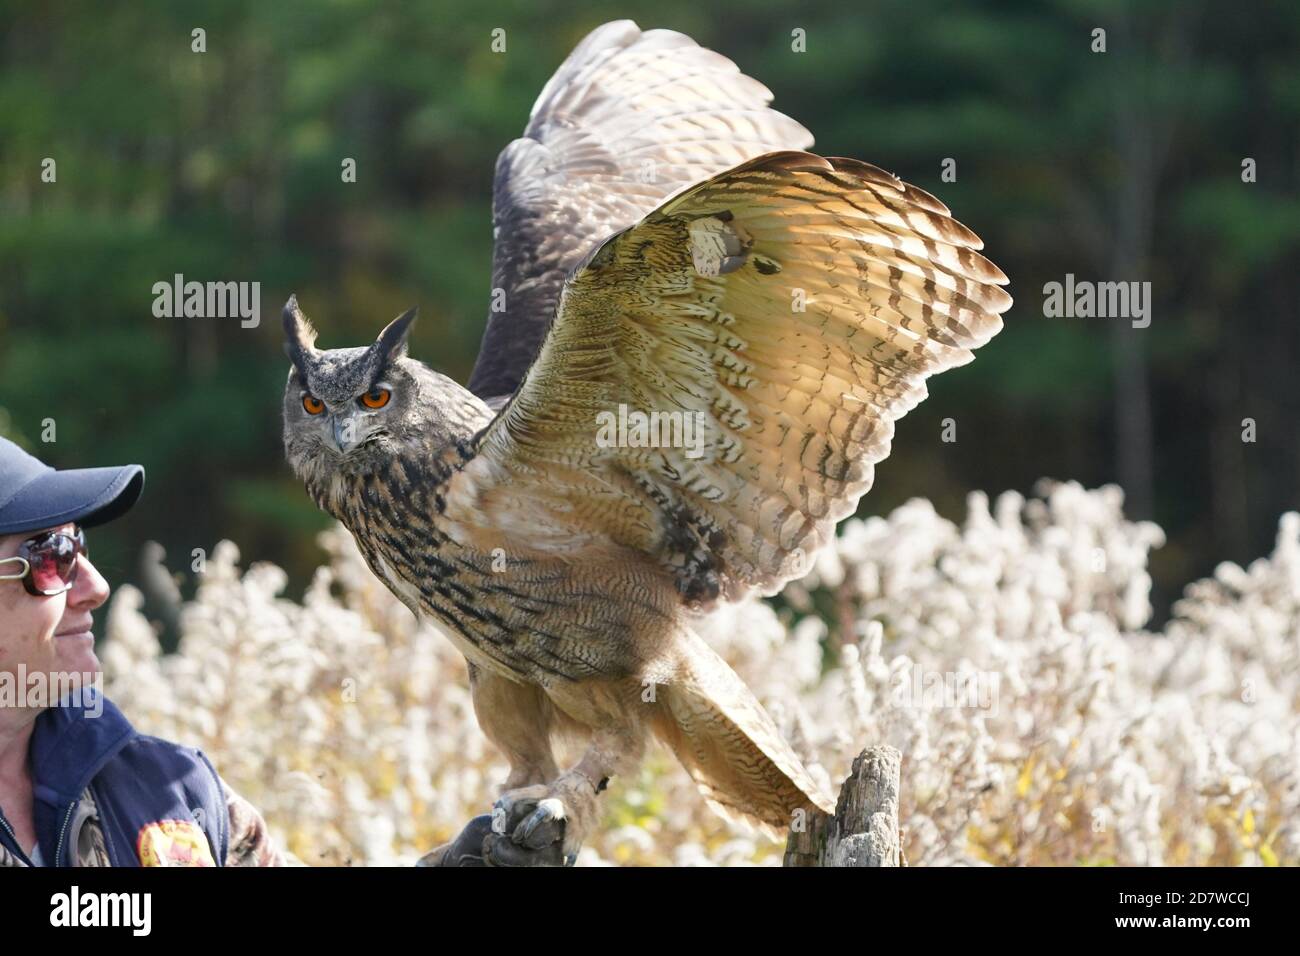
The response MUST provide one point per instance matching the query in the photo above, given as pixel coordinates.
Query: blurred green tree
(226, 165)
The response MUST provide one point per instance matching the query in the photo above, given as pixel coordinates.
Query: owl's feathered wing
(665, 248)
(793, 307)
(629, 119)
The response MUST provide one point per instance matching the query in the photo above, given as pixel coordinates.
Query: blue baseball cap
(34, 496)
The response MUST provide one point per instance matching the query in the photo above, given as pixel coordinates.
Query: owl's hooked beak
(343, 427)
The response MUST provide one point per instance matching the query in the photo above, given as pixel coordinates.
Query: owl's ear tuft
(391, 344)
(299, 336)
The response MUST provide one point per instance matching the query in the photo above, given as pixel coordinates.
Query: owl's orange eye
(376, 398)
(312, 404)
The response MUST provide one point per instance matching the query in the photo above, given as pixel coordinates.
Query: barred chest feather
(525, 614)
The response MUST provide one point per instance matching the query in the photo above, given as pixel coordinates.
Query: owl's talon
(528, 829)
(542, 827)
(515, 806)
(543, 817)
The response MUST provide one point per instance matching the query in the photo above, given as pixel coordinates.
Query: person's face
(49, 634)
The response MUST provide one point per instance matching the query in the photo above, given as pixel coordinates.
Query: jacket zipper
(14, 837)
(108, 840)
(58, 850)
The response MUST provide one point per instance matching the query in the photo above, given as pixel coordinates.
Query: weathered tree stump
(864, 829)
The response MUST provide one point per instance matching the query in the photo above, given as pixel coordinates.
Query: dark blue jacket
(143, 787)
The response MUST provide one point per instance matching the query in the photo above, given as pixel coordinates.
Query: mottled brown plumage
(790, 305)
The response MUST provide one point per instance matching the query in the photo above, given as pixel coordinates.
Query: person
(79, 786)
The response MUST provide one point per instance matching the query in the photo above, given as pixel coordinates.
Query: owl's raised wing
(791, 309)
(629, 119)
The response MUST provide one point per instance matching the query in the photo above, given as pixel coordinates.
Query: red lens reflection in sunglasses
(53, 560)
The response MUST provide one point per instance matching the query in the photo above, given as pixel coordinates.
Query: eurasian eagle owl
(664, 248)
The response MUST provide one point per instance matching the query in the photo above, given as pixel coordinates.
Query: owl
(700, 338)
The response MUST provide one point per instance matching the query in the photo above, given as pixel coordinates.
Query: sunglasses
(48, 562)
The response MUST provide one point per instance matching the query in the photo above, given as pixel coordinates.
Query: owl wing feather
(629, 119)
(792, 308)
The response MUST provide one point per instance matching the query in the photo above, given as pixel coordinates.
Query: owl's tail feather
(730, 746)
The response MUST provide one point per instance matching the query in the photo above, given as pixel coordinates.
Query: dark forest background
(225, 165)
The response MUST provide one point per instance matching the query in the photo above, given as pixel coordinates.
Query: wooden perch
(864, 829)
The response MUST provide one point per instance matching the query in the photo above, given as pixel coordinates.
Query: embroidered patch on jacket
(173, 843)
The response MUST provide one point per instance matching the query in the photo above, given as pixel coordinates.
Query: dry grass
(1098, 743)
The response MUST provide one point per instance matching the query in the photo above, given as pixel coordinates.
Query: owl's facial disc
(351, 422)
(342, 405)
